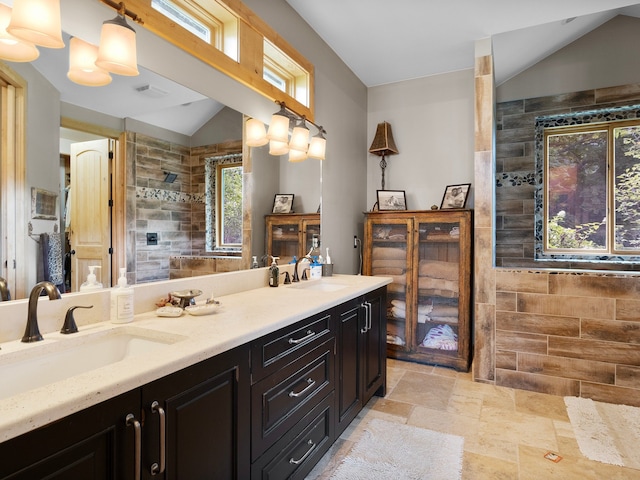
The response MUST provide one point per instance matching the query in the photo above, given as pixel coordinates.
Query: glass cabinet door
(390, 257)
(284, 240)
(438, 287)
(311, 228)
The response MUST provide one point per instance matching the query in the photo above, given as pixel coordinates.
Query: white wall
(432, 123)
(606, 56)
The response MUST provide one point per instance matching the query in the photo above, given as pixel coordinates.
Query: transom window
(588, 193)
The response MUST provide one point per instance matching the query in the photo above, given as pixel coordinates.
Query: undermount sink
(320, 285)
(64, 357)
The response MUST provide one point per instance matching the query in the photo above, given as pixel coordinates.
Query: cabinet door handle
(369, 315)
(155, 468)
(310, 383)
(367, 318)
(301, 459)
(309, 334)
(137, 430)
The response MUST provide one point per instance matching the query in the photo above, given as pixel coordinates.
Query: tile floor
(506, 431)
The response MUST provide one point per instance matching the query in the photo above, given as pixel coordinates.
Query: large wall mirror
(172, 124)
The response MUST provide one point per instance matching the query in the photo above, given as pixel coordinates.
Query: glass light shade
(82, 65)
(300, 137)
(279, 128)
(297, 156)
(256, 133)
(278, 148)
(117, 51)
(317, 147)
(37, 22)
(12, 48)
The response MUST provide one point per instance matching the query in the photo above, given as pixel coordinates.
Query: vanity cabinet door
(95, 443)
(361, 359)
(202, 417)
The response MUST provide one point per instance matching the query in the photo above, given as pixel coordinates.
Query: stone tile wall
(175, 211)
(515, 167)
(563, 332)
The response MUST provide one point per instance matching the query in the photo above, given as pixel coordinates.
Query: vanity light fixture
(117, 51)
(37, 22)
(82, 64)
(256, 133)
(12, 48)
(298, 147)
(383, 144)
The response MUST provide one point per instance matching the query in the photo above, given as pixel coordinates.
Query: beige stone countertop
(239, 319)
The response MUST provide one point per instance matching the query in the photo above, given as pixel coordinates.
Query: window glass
(229, 215)
(182, 18)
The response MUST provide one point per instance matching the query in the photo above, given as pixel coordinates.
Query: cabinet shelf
(429, 301)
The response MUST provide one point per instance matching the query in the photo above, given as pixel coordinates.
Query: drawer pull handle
(309, 334)
(159, 468)
(137, 430)
(310, 383)
(302, 459)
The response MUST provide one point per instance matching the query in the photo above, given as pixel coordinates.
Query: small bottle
(122, 300)
(92, 282)
(274, 272)
(254, 262)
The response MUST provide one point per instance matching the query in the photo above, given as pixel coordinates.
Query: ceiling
(385, 42)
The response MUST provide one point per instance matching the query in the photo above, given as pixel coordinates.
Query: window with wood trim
(229, 205)
(588, 196)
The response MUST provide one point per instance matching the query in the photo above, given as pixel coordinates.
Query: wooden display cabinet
(429, 256)
(290, 234)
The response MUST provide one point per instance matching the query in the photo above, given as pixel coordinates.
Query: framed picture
(44, 204)
(392, 200)
(283, 203)
(455, 196)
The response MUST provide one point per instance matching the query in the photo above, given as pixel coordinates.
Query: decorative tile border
(146, 193)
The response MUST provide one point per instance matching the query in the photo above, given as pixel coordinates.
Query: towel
(437, 269)
(441, 337)
(389, 253)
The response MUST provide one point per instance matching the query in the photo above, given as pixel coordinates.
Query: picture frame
(389, 200)
(44, 204)
(455, 196)
(283, 203)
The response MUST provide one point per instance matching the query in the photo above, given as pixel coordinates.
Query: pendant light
(318, 145)
(82, 65)
(297, 156)
(300, 137)
(256, 133)
(117, 51)
(278, 148)
(37, 22)
(12, 48)
(279, 126)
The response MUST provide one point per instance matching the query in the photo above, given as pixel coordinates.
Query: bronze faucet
(5, 295)
(32, 332)
(296, 278)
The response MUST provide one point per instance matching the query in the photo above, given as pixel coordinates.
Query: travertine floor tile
(506, 432)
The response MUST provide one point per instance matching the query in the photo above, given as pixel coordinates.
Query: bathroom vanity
(259, 389)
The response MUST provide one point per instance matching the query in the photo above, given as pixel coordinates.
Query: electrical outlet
(355, 241)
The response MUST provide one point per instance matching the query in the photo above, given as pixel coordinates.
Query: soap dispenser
(274, 272)
(92, 282)
(122, 300)
(254, 262)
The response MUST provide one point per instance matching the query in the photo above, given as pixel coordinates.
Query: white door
(90, 225)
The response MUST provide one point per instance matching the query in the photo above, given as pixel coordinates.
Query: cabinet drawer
(299, 450)
(281, 400)
(274, 351)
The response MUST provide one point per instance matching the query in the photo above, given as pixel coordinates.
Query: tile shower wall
(558, 332)
(175, 211)
(515, 165)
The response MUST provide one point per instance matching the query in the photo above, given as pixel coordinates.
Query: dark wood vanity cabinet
(205, 424)
(361, 363)
(269, 409)
(204, 429)
(95, 443)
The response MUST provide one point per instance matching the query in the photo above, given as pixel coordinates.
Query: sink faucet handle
(69, 322)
